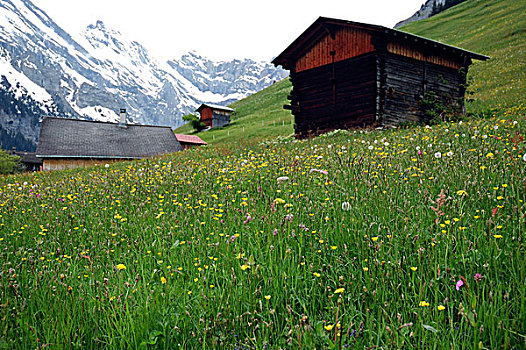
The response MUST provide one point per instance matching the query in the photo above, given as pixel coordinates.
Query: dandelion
(441, 307)
(120, 267)
(497, 236)
(462, 193)
(346, 206)
(163, 280)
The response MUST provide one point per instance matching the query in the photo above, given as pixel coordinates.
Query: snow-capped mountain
(95, 73)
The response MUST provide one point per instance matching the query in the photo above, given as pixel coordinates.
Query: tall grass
(387, 239)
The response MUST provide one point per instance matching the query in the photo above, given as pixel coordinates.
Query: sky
(219, 29)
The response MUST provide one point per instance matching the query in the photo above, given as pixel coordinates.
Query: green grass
(493, 28)
(362, 244)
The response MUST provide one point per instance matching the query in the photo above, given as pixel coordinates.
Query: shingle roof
(222, 108)
(73, 138)
(190, 139)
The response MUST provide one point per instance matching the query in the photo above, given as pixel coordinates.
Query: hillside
(493, 28)
(407, 238)
(496, 28)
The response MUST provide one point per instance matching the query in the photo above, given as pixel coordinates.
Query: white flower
(417, 148)
(370, 147)
(484, 136)
(282, 179)
(495, 127)
(386, 144)
(524, 157)
(460, 122)
(438, 155)
(106, 165)
(449, 154)
(346, 206)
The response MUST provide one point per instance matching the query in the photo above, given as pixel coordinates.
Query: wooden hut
(214, 115)
(70, 143)
(189, 141)
(28, 159)
(348, 74)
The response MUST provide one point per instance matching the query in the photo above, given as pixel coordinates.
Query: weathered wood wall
(220, 118)
(418, 54)
(72, 163)
(345, 43)
(334, 96)
(406, 82)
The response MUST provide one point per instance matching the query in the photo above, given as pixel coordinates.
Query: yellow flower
(120, 267)
(267, 297)
(414, 268)
(374, 238)
(462, 193)
(423, 303)
(339, 290)
(329, 327)
(490, 155)
(365, 269)
(279, 201)
(163, 280)
(497, 236)
(441, 307)
(316, 274)
(244, 267)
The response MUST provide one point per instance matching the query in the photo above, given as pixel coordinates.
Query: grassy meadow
(364, 239)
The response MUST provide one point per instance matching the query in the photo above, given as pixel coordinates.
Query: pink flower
(477, 277)
(459, 284)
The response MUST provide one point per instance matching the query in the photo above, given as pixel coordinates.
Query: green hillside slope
(496, 28)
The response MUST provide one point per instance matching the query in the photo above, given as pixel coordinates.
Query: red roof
(190, 139)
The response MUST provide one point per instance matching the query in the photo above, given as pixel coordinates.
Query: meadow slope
(394, 239)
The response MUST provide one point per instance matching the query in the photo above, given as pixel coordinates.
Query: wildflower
(267, 297)
(244, 267)
(106, 165)
(459, 284)
(324, 172)
(163, 280)
(374, 238)
(438, 155)
(441, 307)
(370, 148)
(365, 269)
(423, 303)
(339, 290)
(524, 157)
(477, 277)
(414, 268)
(462, 193)
(497, 236)
(449, 154)
(282, 179)
(329, 327)
(279, 201)
(490, 155)
(120, 267)
(346, 206)
(316, 274)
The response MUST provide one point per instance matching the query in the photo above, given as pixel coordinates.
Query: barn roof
(221, 108)
(190, 139)
(323, 25)
(73, 138)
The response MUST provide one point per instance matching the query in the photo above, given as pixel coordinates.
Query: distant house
(188, 141)
(214, 115)
(28, 159)
(71, 143)
(347, 74)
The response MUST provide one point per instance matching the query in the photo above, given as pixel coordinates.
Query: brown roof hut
(348, 74)
(70, 143)
(214, 116)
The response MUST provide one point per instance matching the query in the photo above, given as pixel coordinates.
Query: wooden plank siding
(334, 96)
(345, 43)
(417, 54)
(407, 81)
(207, 116)
(72, 163)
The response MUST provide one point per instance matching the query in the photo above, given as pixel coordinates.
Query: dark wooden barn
(348, 74)
(213, 115)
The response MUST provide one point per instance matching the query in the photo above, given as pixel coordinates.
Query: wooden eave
(324, 25)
